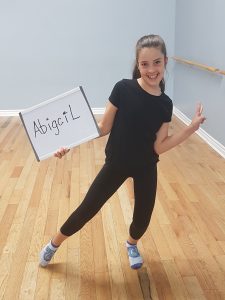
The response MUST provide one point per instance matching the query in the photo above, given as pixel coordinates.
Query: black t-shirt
(137, 120)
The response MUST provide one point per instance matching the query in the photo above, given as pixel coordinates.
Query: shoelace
(48, 254)
(133, 251)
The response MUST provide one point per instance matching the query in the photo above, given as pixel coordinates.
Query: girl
(137, 117)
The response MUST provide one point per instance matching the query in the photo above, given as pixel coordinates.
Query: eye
(157, 62)
(144, 64)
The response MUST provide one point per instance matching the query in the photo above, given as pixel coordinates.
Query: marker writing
(43, 127)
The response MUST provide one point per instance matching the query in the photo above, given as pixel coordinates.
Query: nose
(150, 69)
(151, 72)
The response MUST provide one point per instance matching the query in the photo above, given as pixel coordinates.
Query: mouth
(153, 77)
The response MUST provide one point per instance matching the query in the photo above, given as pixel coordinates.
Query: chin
(153, 84)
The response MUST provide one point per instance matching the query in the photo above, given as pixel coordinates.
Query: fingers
(199, 109)
(198, 118)
(203, 120)
(61, 152)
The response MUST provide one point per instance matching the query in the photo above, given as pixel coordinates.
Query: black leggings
(108, 180)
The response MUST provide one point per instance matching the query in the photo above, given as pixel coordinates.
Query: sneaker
(46, 254)
(135, 258)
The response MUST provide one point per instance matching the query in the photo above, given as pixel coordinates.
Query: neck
(155, 91)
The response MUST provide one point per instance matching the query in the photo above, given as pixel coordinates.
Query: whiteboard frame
(59, 97)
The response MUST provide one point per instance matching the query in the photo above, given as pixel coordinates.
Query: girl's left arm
(164, 142)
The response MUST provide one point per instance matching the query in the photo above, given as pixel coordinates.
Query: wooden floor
(183, 249)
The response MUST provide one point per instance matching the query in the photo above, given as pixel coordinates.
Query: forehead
(150, 54)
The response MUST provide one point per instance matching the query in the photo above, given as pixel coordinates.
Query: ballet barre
(198, 65)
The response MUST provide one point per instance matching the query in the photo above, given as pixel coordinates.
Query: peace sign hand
(198, 117)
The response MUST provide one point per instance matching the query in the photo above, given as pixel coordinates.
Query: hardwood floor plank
(117, 280)
(28, 285)
(6, 223)
(178, 288)
(194, 289)
(17, 267)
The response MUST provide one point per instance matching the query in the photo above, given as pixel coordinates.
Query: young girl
(137, 117)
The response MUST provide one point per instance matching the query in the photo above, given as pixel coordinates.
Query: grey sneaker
(46, 254)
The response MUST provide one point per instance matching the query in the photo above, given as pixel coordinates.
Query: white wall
(49, 47)
(199, 36)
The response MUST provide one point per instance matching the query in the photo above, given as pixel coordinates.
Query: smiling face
(151, 64)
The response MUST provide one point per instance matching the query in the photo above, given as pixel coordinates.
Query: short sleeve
(169, 111)
(114, 97)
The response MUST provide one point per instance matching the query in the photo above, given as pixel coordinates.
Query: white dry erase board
(63, 121)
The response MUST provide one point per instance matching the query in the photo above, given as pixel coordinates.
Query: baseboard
(98, 110)
(218, 147)
(15, 112)
(9, 113)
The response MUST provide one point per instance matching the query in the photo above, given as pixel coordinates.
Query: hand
(198, 117)
(61, 152)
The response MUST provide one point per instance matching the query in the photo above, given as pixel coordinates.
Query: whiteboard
(63, 121)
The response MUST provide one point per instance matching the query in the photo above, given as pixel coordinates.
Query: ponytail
(162, 85)
(136, 73)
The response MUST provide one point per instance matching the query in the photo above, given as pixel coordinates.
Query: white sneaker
(134, 256)
(46, 254)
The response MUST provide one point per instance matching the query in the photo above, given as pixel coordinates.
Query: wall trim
(9, 113)
(98, 110)
(217, 146)
(15, 112)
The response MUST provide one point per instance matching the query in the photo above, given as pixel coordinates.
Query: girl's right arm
(106, 123)
(105, 126)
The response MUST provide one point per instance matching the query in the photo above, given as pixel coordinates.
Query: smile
(152, 76)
